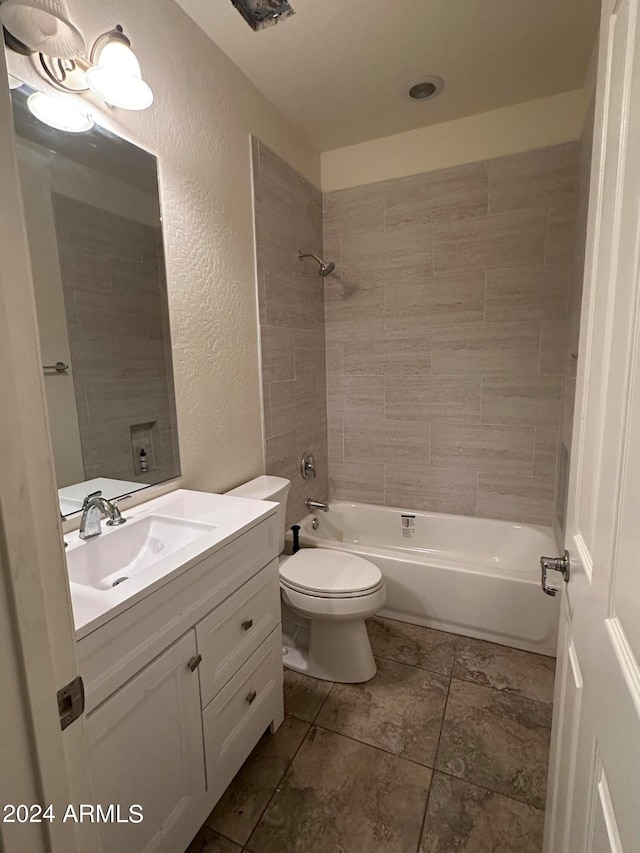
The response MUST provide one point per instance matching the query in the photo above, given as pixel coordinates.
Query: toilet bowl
(326, 596)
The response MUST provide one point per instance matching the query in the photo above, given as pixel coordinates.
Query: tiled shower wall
(445, 325)
(288, 218)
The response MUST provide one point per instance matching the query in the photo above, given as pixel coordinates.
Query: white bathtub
(471, 576)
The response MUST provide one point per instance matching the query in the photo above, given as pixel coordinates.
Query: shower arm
(302, 255)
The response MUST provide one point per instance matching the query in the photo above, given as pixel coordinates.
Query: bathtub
(470, 576)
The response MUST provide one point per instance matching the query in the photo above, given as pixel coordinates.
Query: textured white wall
(199, 127)
(511, 130)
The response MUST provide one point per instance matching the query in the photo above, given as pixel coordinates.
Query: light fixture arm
(58, 70)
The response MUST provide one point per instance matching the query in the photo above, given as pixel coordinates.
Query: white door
(145, 750)
(594, 785)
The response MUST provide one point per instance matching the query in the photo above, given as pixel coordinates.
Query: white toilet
(326, 596)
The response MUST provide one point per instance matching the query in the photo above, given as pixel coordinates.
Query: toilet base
(328, 650)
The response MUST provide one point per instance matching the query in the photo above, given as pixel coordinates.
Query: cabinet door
(145, 747)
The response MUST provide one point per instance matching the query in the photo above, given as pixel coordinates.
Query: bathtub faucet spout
(315, 505)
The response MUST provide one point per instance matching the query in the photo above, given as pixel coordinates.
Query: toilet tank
(267, 489)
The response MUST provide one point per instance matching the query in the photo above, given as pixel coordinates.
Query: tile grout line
(275, 790)
(435, 757)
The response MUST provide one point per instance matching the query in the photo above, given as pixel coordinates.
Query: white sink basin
(107, 561)
(162, 539)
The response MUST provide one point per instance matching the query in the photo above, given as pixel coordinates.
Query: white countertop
(229, 517)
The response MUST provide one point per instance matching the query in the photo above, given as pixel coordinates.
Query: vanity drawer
(234, 721)
(229, 635)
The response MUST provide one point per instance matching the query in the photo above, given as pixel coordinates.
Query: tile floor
(444, 751)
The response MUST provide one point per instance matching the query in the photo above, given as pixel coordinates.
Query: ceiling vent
(263, 13)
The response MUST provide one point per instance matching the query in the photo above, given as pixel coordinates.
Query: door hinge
(70, 702)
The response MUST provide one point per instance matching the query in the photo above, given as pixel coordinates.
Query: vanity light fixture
(112, 70)
(41, 25)
(56, 112)
(115, 73)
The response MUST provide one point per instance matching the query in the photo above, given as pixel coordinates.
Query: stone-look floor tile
(207, 841)
(400, 711)
(342, 795)
(509, 670)
(412, 644)
(498, 741)
(462, 818)
(241, 805)
(303, 696)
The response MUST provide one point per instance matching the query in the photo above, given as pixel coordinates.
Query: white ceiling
(338, 70)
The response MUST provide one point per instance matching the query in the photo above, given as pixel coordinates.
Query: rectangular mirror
(92, 210)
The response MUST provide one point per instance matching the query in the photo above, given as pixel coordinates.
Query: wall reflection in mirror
(93, 219)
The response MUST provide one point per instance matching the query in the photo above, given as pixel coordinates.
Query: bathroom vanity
(181, 657)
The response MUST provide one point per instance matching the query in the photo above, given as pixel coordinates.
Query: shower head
(325, 268)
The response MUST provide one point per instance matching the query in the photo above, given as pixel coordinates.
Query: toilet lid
(320, 570)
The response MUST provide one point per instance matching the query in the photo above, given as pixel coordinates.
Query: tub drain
(120, 580)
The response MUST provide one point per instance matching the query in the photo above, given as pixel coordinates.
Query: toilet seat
(323, 573)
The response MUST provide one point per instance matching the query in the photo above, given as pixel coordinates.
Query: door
(594, 794)
(146, 755)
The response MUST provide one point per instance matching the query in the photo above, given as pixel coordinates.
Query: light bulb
(58, 113)
(117, 78)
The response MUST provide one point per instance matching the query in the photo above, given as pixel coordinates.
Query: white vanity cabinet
(146, 748)
(179, 689)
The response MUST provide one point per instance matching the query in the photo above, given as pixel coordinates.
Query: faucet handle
(90, 497)
(116, 516)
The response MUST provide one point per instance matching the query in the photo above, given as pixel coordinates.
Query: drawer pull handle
(251, 697)
(194, 663)
(248, 624)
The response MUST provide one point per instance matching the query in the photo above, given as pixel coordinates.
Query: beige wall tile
(523, 400)
(533, 179)
(364, 350)
(560, 235)
(482, 448)
(352, 306)
(282, 455)
(482, 242)
(352, 210)
(334, 353)
(419, 487)
(355, 396)
(357, 481)
(454, 193)
(288, 403)
(446, 399)
(436, 301)
(545, 452)
(514, 498)
(526, 294)
(407, 348)
(309, 354)
(277, 346)
(403, 252)
(335, 436)
(493, 348)
(552, 347)
(288, 300)
(383, 441)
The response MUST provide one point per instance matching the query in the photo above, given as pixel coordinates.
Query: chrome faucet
(94, 509)
(314, 505)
